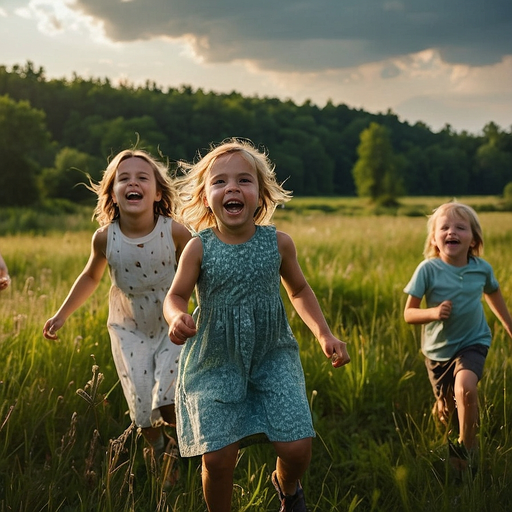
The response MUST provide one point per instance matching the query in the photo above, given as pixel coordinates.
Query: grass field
(66, 443)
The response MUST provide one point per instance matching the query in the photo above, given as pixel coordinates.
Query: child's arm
(181, 324)
(498, 306)
(306, 304)
(4, 274)
(414, 314)
(181, 236)
(84, 285)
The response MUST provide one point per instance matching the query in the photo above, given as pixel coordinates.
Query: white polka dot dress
(142, 270)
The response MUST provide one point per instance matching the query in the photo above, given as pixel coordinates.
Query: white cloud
(55, 17)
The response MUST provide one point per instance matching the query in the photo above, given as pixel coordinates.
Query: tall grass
(66, 442)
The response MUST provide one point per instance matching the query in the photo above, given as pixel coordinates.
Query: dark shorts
(442, 373)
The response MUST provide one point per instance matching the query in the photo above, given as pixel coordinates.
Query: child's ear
(205, 202)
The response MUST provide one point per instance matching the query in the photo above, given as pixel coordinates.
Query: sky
(439, 62)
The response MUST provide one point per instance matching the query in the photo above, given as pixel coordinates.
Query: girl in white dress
(141, 244)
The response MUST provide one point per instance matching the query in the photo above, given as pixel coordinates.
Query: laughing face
(453, 237)
(135, 187)
(232, 192)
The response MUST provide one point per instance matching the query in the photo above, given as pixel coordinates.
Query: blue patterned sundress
(241, 375)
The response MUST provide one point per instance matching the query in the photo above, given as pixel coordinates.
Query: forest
(55, 132)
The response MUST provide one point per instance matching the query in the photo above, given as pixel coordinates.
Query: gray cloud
(295, 35)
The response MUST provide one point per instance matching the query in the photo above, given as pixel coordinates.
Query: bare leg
(217, 475)
(163, 454)
(168, 414)
(466, 394)
(293, 459)
(155, 435)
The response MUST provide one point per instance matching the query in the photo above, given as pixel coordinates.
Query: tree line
(52, 131)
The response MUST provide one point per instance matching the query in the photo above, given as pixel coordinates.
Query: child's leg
(466, 394)
(441, 378)
(293, 459)
(217, 476)
(155, 435)
(168, 414)
(445, 407)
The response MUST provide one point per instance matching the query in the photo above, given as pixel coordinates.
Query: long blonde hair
(460, 211)
(106, 210)
(196, 215)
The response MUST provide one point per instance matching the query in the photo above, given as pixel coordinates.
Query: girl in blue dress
(240, 373)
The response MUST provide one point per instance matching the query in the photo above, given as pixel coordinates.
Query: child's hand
(340, 355)
(51, 327)
(181, 328)
(444, 310)
(336, 350)
(5, 280)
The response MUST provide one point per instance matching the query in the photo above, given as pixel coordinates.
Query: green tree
(376, 172)
(24, 145)
(119, 133)
(507, 195)
(493, 168)
(65, 180)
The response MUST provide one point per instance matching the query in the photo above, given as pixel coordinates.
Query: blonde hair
(196, 215)
(106, 210)
(460, 211)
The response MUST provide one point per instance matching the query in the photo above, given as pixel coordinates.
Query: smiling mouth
(452, 242)
(133, 195)
(234, 206)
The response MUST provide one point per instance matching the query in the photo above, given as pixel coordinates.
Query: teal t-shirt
(438, 281)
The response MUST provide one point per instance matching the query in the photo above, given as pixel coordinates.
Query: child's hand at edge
(181, 328)
(5, 281)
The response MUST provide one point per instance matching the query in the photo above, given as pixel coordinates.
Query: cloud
(442, 61)
(302, 36)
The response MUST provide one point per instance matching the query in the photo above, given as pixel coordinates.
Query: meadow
(67, 445)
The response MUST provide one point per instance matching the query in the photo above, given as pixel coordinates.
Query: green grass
(377, 448)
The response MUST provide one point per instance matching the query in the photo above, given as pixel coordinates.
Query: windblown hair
(196, 215)
(106, 210)
(459, 211)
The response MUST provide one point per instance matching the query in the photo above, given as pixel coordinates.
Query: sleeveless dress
(241, 375)
(141, 270)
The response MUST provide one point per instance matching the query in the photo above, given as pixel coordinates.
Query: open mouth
(234, 206)
(131, 196)
(452, 242)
